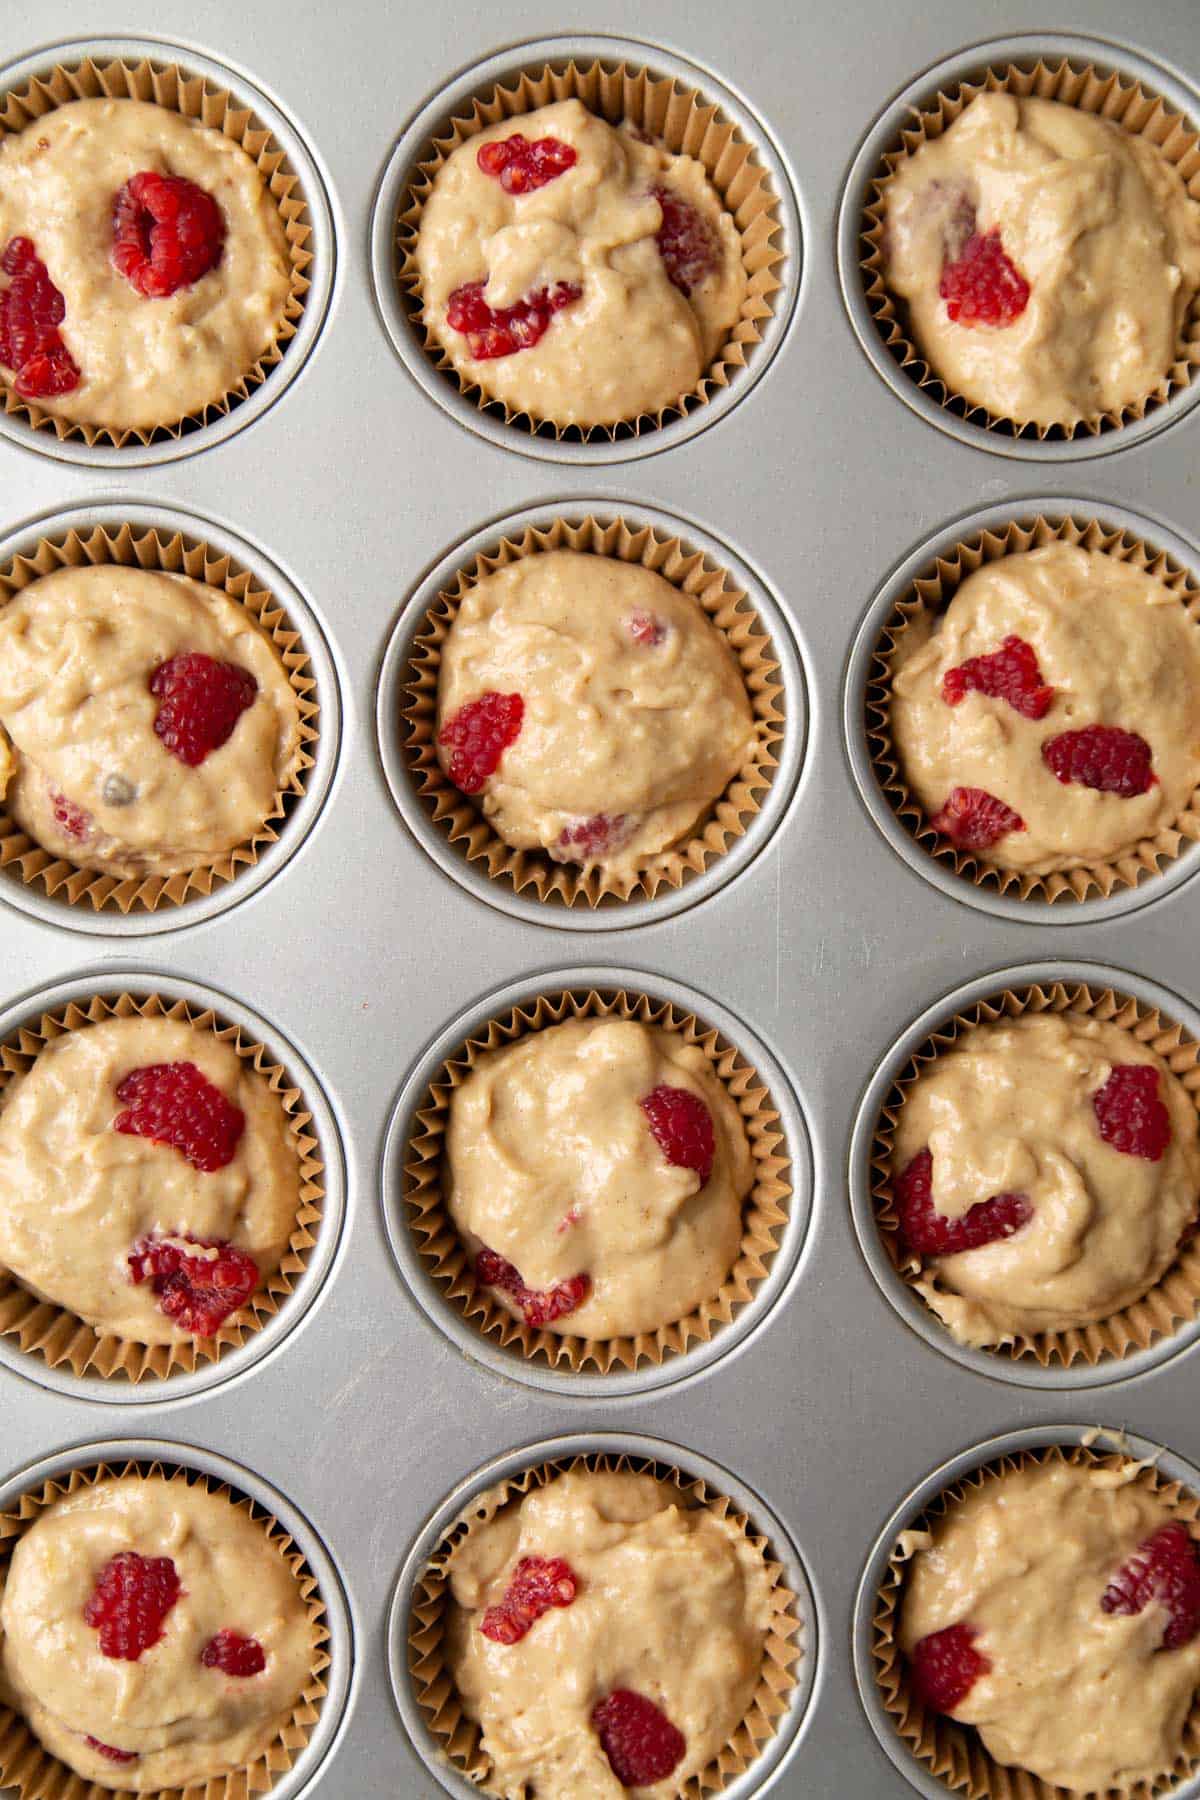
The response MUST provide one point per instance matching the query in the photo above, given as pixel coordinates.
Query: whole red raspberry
(477, 736)
(647, 629)
(234, 1655)
(503, 330)
(72, 819)
(106, 1750)
(521, 166)
(198, 1292)
(541, 1306)
(974, 819)
(688, 244)
(592, 838)
(1165, 1569)
(927, 1232)
(1130, 1114)
(167, 233)
(1010, 673)
(537, 1584)
(640, 1742)
(945, 1667)
(982, 286)
(200, 702)
(130, 1603)
(682, 1127)
(1102, 757)
(31, 311)
(173, 1103)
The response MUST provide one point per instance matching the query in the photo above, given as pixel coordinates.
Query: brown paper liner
(686, 124)
(170, 85)
(932, 592)
(172, 555)
(954, 1753)
(1176, 1296)
(31, 1773)
(726, 606)
(59, 1336)
(436, 1695)
(450, 1263)
(1123, 102)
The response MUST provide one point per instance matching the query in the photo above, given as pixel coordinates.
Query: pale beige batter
(186, 1722)
(76, 1195)
(1081, 1697)
(552, 1164)
(1118, 649)
(1009, 1110)
(144, 362)
(77, 652)
(646, 734)
(672, 1603)
(633, 343)
(1095, 219)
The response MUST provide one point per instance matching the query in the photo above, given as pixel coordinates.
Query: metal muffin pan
(362, 950)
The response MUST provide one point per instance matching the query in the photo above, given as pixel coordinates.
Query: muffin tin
(353, 480)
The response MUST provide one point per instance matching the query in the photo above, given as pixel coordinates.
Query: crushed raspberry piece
(167, 233)
(982, 286)
(946, 1666)
(592, 838)
(1010, 673)
(477, 736)
(1165, 1568)
(200, 702)
(72, 819)
(682, 1127)
(198, 1292)
(640, 1742)
(130, 1603)
(928, 1232)
(521, 166)
(1130, 1114)
(117, 1756)
(31, 311)
(646, 628)
(1102, 757)
(974, 819)
(571, 1217)
(688, 244)
(538, 1583)
(541, 1306)
(175, 1104)
(503, 330)
(234, 1654)
(948, 205)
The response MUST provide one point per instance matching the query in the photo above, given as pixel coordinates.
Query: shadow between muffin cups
(438, 1269)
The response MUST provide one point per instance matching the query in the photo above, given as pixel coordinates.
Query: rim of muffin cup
(1070, 66)
(52, 1346)
(423, 1691)
(934, 570)
(1151, 1331)
(200, 86)
(175, 541)
(690, 110)
(729, 834)
(436, 1266)
(925, 1752)
(293, 1761)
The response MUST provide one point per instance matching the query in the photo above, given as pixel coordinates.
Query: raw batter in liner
(672, 1603)
(185, 1722)
(1095, 220)
(633, 342)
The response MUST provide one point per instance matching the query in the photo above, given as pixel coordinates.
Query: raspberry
(175, 1104)
(503, 330)
(537, 1584)
(929, 1233)
(974, 819)
(118, 1756)
(1130, 1114)
(521, 166)
(130, 1603)
(198, 1292)
(167, 233)
(592, 838)
(477, 736)
(945, 1667)
(982, 286)
(640, 1742)
(1010, 673)
(31, 311)
(541, 1306)
(682, 1127)
(1102, 757)
(1165, 1568)
(72, 819)
(234, 1654)
(647, 628)
(687, 243)
(200, 702)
